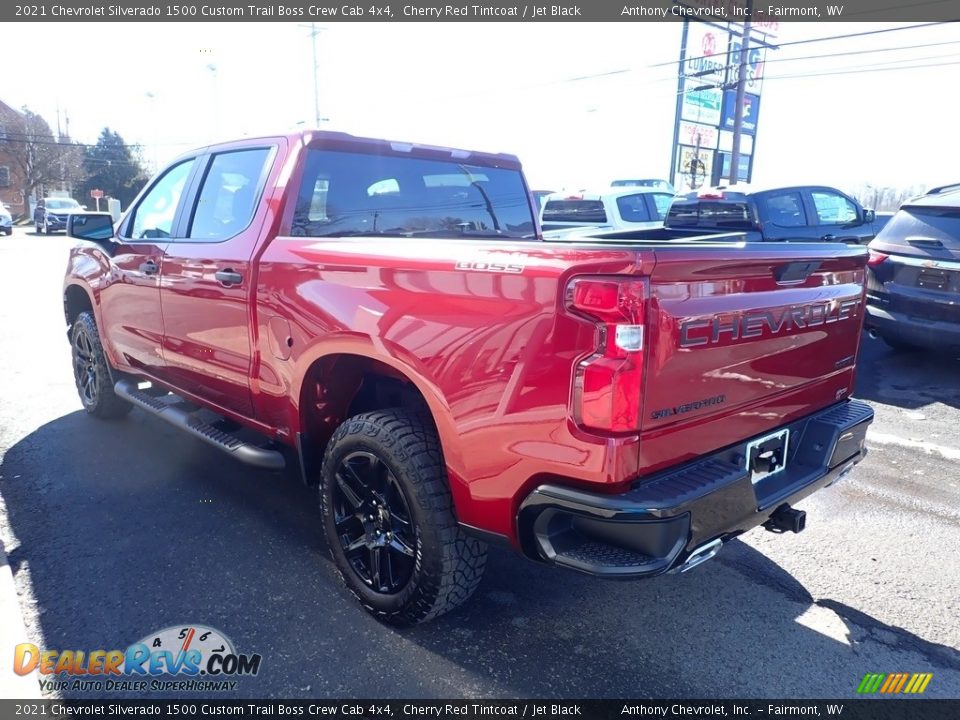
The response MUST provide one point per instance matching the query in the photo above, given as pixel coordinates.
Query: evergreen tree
(113, 167)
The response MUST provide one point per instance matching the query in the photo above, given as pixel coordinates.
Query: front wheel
(389, 522)
(91, 371)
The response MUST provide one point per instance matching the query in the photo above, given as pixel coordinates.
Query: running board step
(183, 419)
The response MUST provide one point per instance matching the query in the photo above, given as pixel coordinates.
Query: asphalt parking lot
(116, 530)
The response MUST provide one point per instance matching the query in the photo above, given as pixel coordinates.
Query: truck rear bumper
(675, 518)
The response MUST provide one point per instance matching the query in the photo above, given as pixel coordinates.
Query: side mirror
(93, 227)
(869, 216)
(84, 207)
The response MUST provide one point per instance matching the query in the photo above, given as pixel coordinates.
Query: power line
(911, 6)
(819, 39)
(857, 72)
(863, 52)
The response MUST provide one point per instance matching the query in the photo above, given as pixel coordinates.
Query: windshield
(61, 204)
(345, 193)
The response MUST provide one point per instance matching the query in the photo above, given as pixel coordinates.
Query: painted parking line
(949, 453)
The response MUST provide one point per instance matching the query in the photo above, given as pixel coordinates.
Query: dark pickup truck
(803, 213)
(387, 318)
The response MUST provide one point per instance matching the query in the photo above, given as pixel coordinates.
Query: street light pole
(152, 97)
(216, 100)
(741, 90)
(316, 81)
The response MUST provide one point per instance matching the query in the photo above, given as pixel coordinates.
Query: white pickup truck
(614, 208)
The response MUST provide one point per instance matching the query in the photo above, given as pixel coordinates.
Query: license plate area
(933, 280)
(767, 456)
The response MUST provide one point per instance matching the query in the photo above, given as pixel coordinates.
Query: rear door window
(785, 209)
(228, 198)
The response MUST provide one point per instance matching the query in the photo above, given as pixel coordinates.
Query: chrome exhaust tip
(698, 556)
(873, 334)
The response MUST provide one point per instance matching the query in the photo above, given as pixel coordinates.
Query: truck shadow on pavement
(122, 529)
(907, 379)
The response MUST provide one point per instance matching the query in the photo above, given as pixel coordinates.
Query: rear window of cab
(576, 211)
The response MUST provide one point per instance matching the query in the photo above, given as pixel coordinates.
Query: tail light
(607, 384)
(874, 258)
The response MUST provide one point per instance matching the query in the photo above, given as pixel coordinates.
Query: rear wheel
(389, 522)
(91, 371)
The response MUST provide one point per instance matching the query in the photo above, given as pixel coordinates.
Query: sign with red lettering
(698, 135)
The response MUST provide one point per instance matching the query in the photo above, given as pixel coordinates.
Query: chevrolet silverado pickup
(387, 319)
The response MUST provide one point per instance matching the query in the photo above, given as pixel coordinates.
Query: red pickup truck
(388, 318)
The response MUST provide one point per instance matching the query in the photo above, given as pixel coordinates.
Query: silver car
(6, 221)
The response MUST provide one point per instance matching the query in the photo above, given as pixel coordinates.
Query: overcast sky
(507, 87)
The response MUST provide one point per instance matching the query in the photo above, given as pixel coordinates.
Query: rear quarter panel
(488, 347)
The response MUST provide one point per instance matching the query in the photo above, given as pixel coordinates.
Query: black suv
(913, 283)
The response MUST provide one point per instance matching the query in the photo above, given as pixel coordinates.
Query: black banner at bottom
(850, 709)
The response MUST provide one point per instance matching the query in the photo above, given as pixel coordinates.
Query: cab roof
(345, 142)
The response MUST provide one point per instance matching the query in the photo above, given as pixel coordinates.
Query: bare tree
(885, 198)
(44, 160)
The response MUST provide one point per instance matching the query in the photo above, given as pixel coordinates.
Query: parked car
(622, 208)
(913, 274)
(654, 183)
(802, 213)
(447, 378)
(6, 220)
(51, 214)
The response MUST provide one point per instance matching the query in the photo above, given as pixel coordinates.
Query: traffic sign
(96, 194)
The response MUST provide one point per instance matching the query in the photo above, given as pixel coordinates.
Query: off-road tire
(86, 348)
(448, 563)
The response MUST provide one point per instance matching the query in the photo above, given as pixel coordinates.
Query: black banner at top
(189, 707)
(762, 12)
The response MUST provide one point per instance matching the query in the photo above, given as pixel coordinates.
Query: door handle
(228, 277)
(828, 238)
(148, 268)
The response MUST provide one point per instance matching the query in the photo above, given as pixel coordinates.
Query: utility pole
(741, 89)
(316, 80)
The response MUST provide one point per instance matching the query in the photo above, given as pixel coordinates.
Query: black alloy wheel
(85, 371)
(389, 518)
(373, 523)
(92, 372)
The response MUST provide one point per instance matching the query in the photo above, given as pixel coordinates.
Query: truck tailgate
(730, 331)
